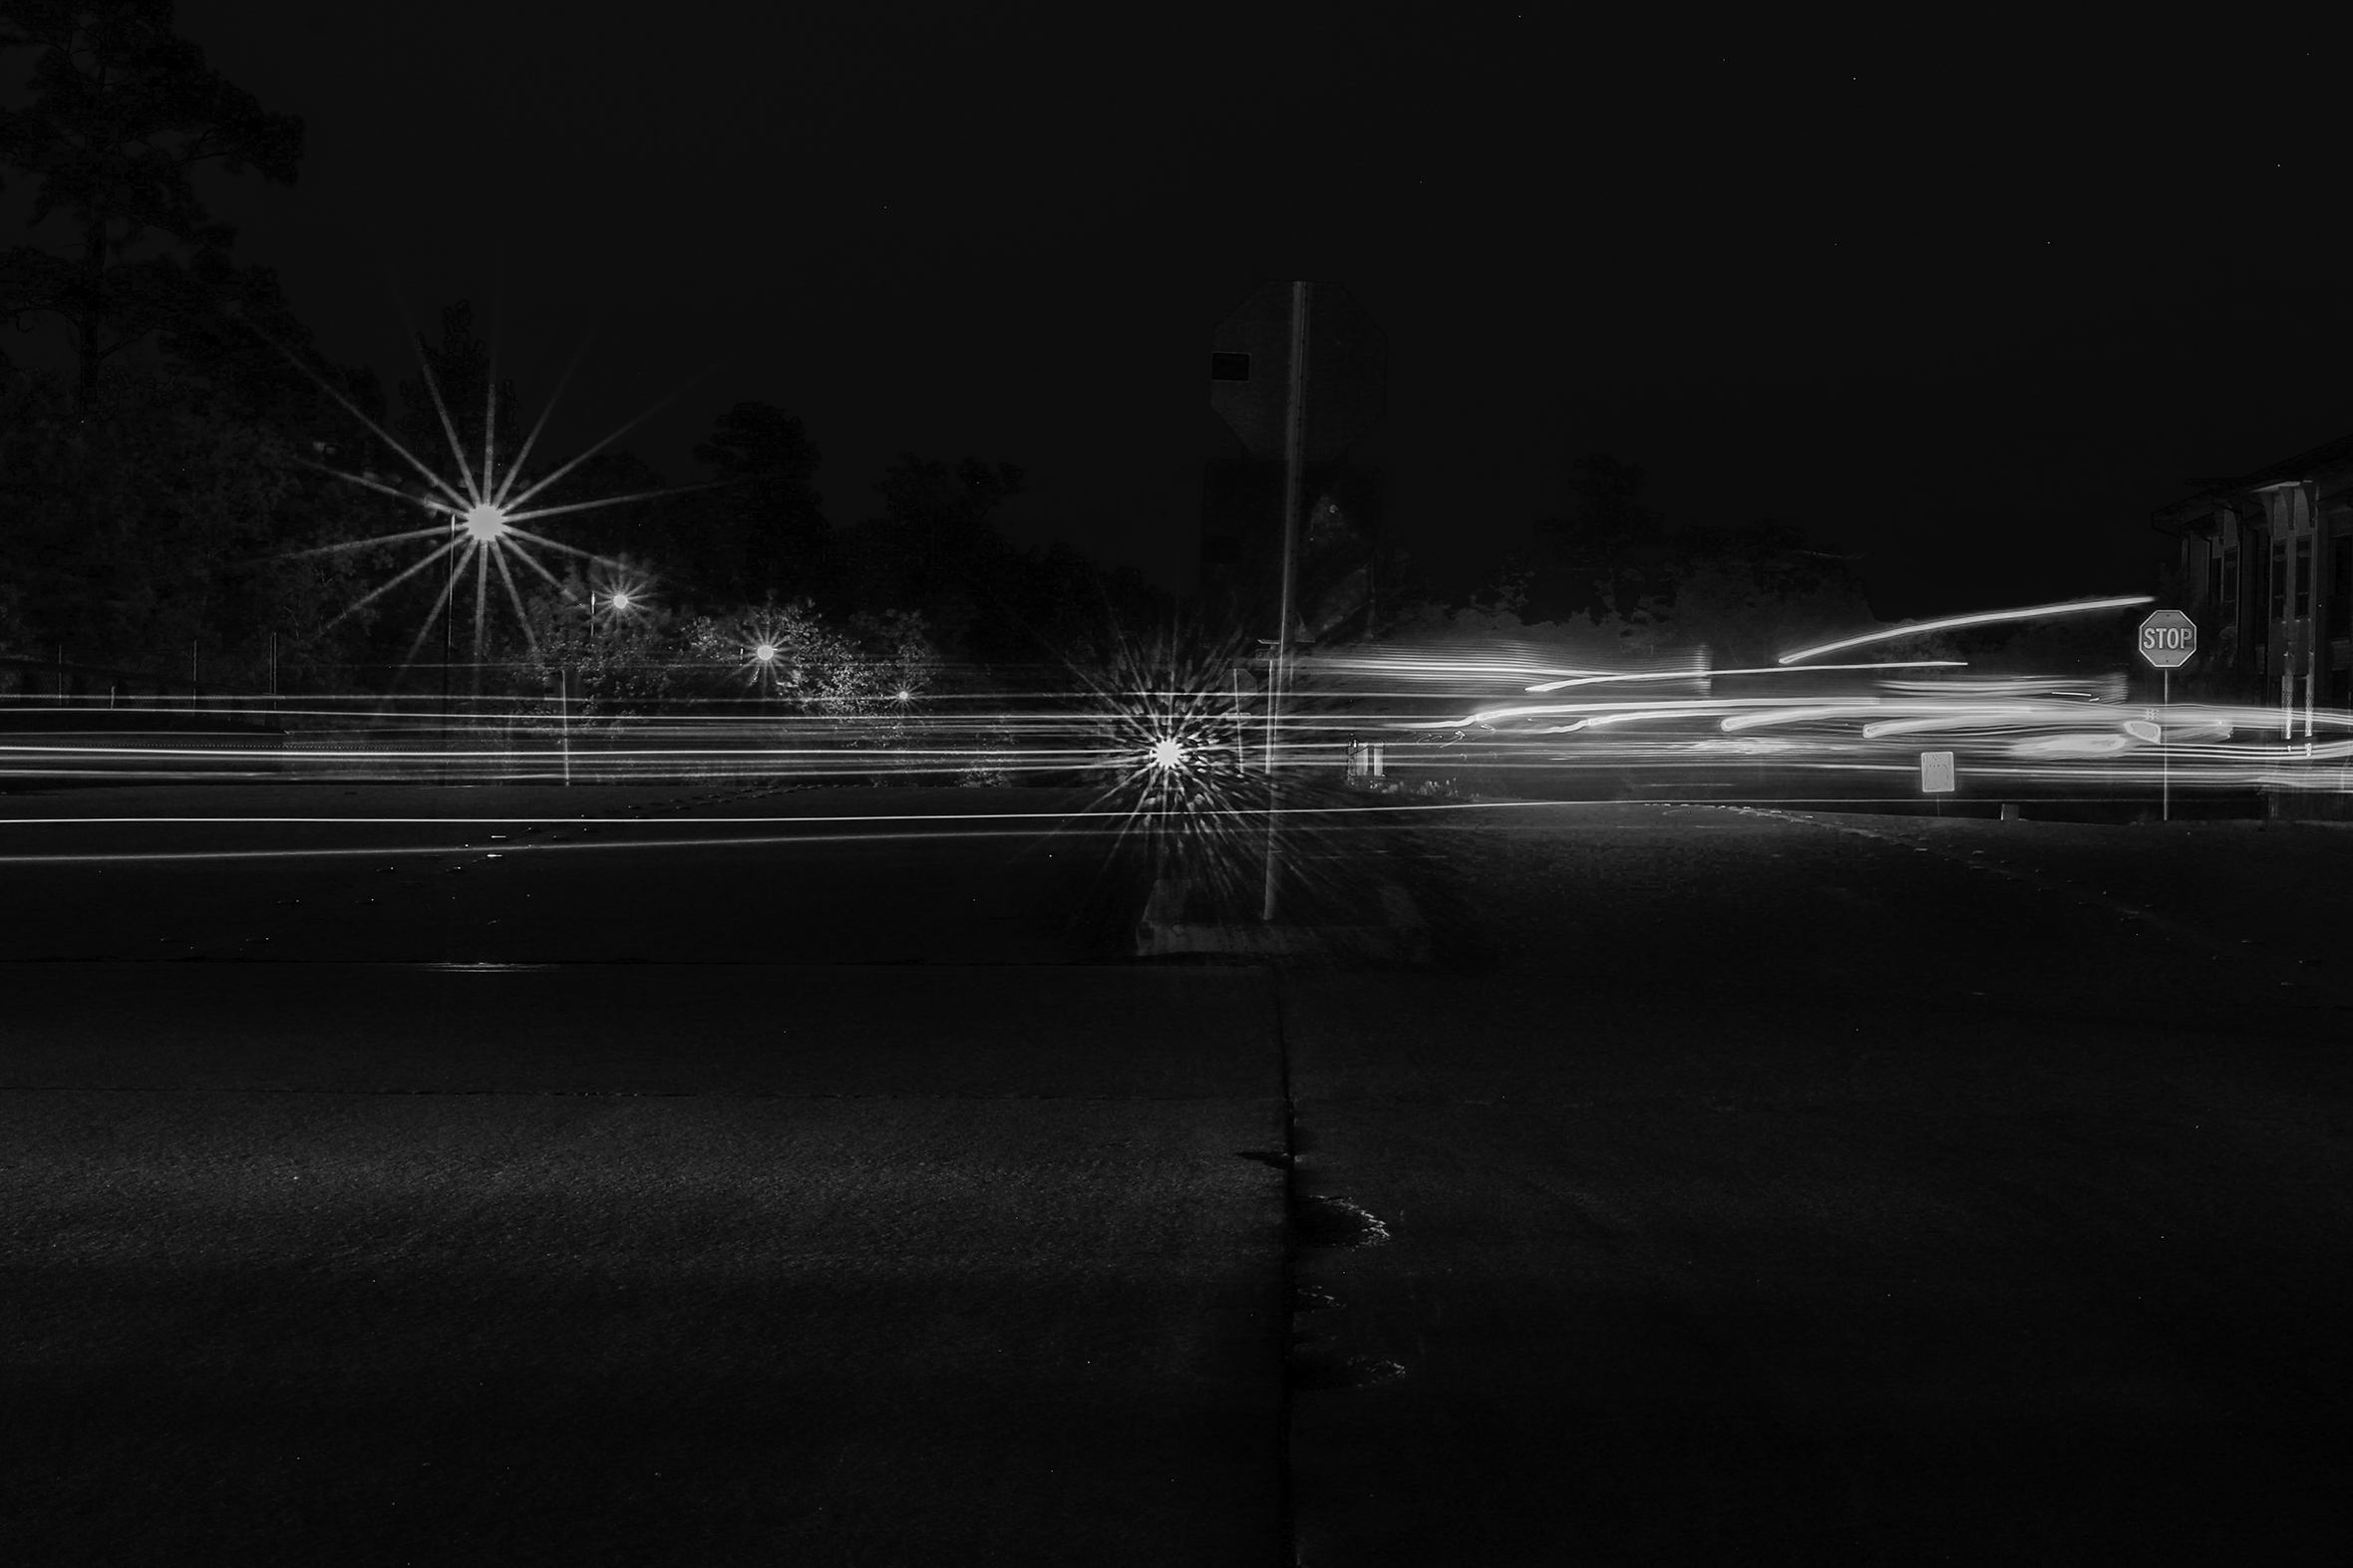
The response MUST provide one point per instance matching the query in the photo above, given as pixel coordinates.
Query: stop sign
(2168, 639)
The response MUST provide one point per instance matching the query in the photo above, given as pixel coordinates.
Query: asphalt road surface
(503, 1176)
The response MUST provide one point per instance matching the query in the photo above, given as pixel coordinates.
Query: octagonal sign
(2168, 639)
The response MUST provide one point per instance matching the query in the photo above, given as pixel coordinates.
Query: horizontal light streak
(1770, 669)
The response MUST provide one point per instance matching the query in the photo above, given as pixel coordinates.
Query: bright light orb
(1165, 754)
(621, 599)
(485, 523)
(764, 652)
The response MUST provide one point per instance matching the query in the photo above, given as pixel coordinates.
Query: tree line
(201, 482)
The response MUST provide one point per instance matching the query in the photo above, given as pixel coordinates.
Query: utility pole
(448, 608)
(1286, 410)
(1295, 445)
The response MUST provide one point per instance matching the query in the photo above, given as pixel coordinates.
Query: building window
(2230, 582)
(2303, 577)
(2340, 586)
(2278, 579)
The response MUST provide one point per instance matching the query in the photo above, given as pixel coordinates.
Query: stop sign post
(2167, 640)
(1285, 401)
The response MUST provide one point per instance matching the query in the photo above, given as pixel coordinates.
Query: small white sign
(1936, 773)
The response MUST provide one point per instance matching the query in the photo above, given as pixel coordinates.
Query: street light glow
(1166, 752)
(486, 522)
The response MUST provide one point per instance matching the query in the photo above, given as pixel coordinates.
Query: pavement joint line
(1286, 1315)
(613, 1094)
(810, 840)
(1254, 813)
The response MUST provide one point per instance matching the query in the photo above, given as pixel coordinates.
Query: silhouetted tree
(122, 112)
(163, 518)
(1606, 552)
(460, 372)
(248, 342)
(933, 549)
(764, 533)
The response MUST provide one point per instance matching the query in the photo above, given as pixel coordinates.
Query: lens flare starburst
(1167, 739)
(480, 514)
(618, 597)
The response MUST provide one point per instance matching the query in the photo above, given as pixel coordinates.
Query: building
(2265, 566)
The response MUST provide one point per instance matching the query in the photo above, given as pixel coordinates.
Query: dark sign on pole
(1250, 371)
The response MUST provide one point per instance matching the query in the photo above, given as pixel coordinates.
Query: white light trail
(1770, 669)
(1954, 622)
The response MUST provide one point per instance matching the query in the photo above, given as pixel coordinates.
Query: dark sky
(1970, 299)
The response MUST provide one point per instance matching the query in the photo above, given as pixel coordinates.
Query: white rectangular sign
(1936, 773)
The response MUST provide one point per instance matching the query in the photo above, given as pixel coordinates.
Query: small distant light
(764, 652)
(906, 696)
(621, 599)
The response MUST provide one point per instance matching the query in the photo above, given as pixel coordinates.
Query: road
(1721, 1185)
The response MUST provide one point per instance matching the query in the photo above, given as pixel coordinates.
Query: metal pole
(448, 608)
(2165, 752)
(1295, 449)
(2314, 662)
(1241, 736)
(563, 708)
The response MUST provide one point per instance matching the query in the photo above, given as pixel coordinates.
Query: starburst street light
(485, 523)
(1166, 752)
(479, 516)
(616, 599)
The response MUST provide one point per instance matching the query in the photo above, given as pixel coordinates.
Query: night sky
(1969, 301)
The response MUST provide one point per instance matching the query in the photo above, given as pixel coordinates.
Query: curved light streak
(1984, 618)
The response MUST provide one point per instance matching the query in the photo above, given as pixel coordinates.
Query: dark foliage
(446, 408)
(1610, 562)
(121, 112)
(765, 529)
